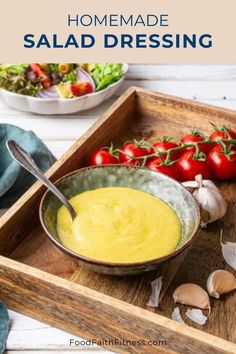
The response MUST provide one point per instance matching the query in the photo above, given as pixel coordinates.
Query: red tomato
(221, 133)
(189, 167)
(81, 88)
(103, 157)
(223, 165)
(193, 138)
(232, 133)
(165, 146)
(130, 150)
(169, 170)
(217, 135)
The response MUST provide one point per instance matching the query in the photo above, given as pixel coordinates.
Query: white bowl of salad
(50, 89)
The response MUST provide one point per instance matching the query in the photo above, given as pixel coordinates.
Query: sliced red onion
(49, 93)
(83, 76)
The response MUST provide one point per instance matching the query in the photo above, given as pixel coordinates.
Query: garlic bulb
(220, 282)
(209, 198)
(193, 295)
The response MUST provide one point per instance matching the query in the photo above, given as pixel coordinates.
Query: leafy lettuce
(106, 74)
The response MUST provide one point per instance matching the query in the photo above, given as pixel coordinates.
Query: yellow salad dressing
(120, 225)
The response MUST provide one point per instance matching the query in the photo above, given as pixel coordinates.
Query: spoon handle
(26, 161)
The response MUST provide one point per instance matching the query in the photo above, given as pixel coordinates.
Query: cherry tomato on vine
(217, 135)
(131, 150)
(164, 145)
(169, 170)
(189, 166)
(195, 137)
(223, 164)
(103, 157)
(232, 133)
(221, 133)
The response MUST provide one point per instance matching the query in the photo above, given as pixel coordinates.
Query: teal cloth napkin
(4, 327)
(14, 180)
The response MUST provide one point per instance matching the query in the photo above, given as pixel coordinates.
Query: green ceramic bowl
(157, 184)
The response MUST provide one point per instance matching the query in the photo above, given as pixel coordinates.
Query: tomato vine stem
(183, 146)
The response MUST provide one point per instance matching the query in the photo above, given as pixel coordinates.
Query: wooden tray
(38, 280)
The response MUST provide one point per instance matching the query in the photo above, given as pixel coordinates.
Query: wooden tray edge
(200, 338)
(187, 336)
(187, 101)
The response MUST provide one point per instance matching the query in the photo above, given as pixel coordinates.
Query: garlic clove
(156, 286)
(220, 282)
(196, 316)
(190, 184)
(193, 295)
(229, 253)
(176, 316)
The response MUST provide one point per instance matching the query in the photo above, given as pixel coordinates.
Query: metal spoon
(26, 161)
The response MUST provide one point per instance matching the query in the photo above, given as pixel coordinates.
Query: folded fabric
(4, 327)
(14, 180)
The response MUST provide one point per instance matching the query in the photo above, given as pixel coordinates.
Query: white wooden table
(210, 84)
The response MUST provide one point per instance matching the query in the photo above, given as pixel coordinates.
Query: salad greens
(106, 74)
(54, 80)
(14, 78)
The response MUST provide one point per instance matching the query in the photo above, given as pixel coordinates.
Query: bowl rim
(74, 99)
(106, 264)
